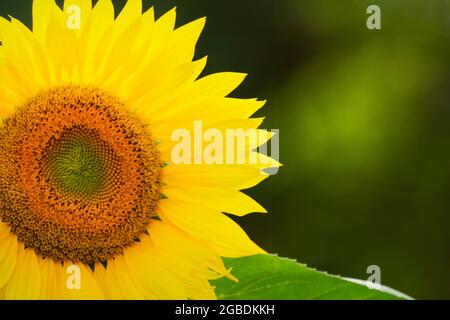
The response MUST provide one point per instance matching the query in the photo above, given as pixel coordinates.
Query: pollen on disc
(80, 175)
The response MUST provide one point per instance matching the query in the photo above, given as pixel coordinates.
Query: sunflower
(89, 103)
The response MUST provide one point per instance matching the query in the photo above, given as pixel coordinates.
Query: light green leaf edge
(269, 277)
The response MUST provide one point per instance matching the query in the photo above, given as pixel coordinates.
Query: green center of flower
(80, 163)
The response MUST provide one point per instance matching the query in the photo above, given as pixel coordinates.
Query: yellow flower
(89, 104)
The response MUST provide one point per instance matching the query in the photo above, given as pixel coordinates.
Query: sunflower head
(84, 96)
(82, 172)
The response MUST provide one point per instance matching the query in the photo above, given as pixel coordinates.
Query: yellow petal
(184, 41)
(25, 283)
(49, 280)
(36, 54)
(63, 61)
(237, 177)
(225, 235)
(162, 91)
(163, 28)
(102, 281)
(180, 47)
(220, 199)
(117, 280)
(121, 51)
(99, 23)
(4, 230)
(42, 10)
(239, 108)
(18, 64)
(129, 14)
(203, 92)
(156, 41)
(11, 45)
(126, 80)
(8, 254)
(145, 268)
(191, 259)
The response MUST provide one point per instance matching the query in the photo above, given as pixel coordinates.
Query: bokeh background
(365, 128)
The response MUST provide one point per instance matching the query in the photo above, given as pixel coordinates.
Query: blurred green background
(365, 128)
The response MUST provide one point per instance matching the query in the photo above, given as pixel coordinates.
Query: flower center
(79, 163)
(79, 175)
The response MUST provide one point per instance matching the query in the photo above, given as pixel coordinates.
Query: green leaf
(268, 277)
